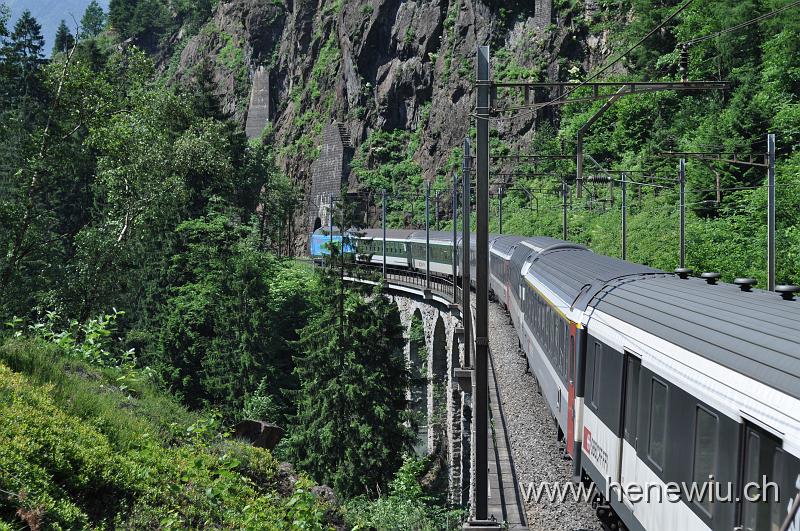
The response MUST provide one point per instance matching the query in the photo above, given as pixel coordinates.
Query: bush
(406, 507)
(64, 466)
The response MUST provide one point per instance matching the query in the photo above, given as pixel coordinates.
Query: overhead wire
(560, 99)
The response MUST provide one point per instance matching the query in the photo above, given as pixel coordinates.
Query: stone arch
(317, 224)
(418, 363)
(438, 372)
(442, 349)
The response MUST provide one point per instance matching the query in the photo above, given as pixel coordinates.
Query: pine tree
(26, 44)
(64, 39)
(120, 13)
(5, 72)
(350, 431)
(23, 60)
(93, 21)
(5, 14)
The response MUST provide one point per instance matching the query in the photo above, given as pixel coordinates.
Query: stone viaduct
(444, 406)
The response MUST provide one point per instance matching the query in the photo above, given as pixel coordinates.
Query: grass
(79, 450)
(127, 409)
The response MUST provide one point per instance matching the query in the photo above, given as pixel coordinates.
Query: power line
(629, 50)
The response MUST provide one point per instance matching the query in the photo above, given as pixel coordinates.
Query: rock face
(381, 65)
(229, 49)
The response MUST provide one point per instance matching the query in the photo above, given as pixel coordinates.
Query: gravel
(538, 456)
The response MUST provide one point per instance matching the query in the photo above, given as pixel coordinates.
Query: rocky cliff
(384, 65)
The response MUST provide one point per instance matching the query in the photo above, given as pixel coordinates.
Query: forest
(146, 311)
(148, 302)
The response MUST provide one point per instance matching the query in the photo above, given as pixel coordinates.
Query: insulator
(683, 63)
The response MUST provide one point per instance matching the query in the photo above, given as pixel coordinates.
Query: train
(659, 380)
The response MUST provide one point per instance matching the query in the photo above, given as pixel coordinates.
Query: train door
(506, 282)
(630, 432)
(761, 465)
(571, 378)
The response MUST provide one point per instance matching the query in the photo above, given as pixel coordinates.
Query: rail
(442, 285)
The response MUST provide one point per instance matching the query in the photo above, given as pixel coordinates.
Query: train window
(760, 455)
(633, 366)
(778, 506)
(549, 330)
(705, 452)
(658, 423)
(597, 376)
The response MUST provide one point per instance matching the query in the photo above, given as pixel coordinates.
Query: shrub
(63, 466)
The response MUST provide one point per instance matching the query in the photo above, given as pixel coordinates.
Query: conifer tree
(120, 13)
(64, 39)
(350, 431)
(4, 72)
(4, 16)
(26, 43)
(22, 65)
(93, 21)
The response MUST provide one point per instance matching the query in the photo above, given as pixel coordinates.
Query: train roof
(438, 236)
(504, 244)
(752, 333)
(377, 234)
(575, 274)
(327, 231)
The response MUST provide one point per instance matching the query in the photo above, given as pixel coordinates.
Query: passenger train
(653, 378)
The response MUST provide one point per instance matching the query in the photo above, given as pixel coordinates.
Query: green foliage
(350, 429)
(91, 342)
(131, 197)
(409, 36)
(125, 191)
(728, 236)
(385, 162)
(121, 401)
(214, 339)
(332, 7)
(61, 468)
(93, 21)
(149, 22)
(407, 506)
(64, 40)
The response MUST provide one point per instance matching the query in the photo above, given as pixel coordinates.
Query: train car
(369, 246)
(652, 382)
(441, 251)
(500, 254)
(321, 239)
(655, 380)
(472, 255)
(499, 258)
(686, 380)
